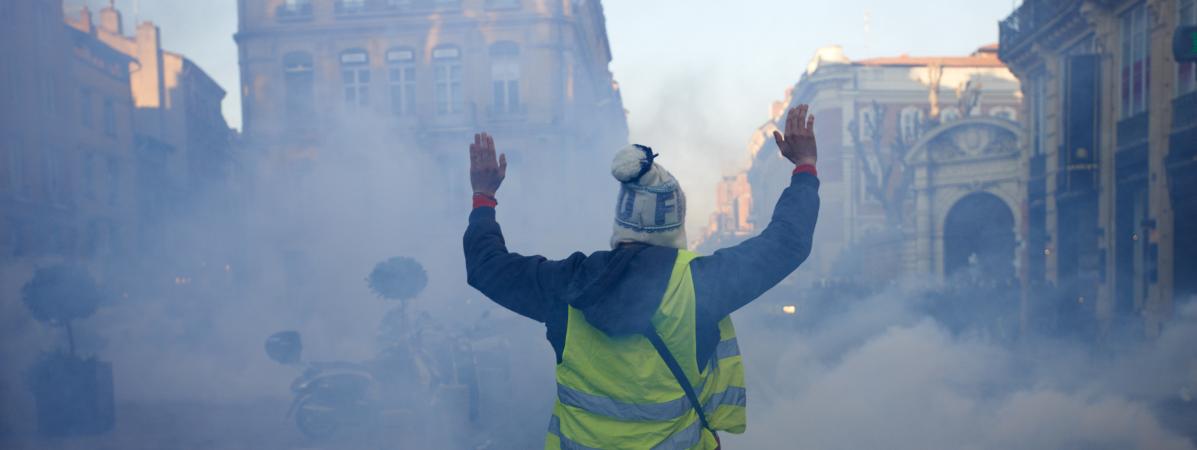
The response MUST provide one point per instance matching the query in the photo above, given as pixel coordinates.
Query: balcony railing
(1029, 18)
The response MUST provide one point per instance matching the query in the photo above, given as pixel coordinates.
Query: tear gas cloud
(279, 252)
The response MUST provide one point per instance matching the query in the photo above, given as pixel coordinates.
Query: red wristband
(806, 168)
(481, 200)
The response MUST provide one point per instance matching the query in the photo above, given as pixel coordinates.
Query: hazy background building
(80, 185)
(903, 141)
(405, 84)
(1112, 118)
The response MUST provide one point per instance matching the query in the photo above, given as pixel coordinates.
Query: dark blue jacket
(621, 288)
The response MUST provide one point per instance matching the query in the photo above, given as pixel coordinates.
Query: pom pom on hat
(631, 163)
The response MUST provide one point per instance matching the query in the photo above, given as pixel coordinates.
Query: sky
(697, 76)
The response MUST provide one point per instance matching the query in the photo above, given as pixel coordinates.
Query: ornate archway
(970, 164)
(978, 236)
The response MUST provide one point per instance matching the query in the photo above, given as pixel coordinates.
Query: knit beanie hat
(651, 207)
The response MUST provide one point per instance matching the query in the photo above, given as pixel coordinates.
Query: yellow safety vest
(617, 392)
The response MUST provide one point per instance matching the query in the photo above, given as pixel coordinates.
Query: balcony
(294, 11)
(1025, 21)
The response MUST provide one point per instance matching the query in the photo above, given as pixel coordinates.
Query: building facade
(425, 74)
(731, 221)
(391, 92)
(1112, 121)
(911, 151)
(66, 188)
(183, 144)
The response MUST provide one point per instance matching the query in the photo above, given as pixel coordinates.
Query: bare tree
(887, 177)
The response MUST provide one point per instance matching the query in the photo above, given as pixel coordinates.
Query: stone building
(66, 188)
(1112, 122)
(183, 144)
(390, 89)
(425, 74)
(914, 153)
(68, 142)
(730, 223)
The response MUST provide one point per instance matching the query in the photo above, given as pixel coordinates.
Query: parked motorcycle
(328, 396)
(432, 369)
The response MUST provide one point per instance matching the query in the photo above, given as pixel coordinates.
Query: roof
(986, 56)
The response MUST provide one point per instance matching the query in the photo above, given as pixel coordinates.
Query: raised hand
(798, 144)
(486, 172)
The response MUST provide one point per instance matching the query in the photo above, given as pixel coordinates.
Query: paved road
(259, 425)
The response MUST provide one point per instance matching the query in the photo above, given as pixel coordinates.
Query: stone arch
(979, 234)
(961, 161)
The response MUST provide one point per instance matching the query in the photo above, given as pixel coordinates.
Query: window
(1136, 61)
(110, 117)
(1039, 113)
(1186, 79)
(16, 170)
(1004, 112)
(89, 177)
(355, 76)
(350, 6)
(295, 9)
(49, 94)
(949, 115)
(447, 74)
(52, 176)
(502, 4)
(13, 236)
(299, 81)
(401, 70)
(114, 181)
(85, 108)
(911, 123)
(505, 77)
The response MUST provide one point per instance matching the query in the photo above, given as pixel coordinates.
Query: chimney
(84, 23)
(110, 19)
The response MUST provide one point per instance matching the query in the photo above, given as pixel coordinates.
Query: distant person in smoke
(646, 351)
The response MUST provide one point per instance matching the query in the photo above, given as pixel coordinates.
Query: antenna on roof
(868, 28)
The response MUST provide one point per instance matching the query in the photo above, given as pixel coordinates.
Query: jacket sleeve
(526, 285)
(735, 276)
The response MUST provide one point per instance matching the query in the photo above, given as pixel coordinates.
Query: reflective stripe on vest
(681, 440)
(727, 349)
(603, 406)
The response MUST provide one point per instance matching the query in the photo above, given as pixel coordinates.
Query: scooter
(432, 372)
(328, 396)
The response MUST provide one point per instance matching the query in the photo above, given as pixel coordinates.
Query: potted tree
(398, 279)
(73, 393)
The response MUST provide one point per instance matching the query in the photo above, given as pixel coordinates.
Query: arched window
(446, 63)
(355, 77)
(949, 115)
(1004, 112)
(911, 123)
(401, 71)
(505, 77)
(299, 82)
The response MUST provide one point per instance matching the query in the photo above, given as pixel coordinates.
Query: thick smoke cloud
(882, 374)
